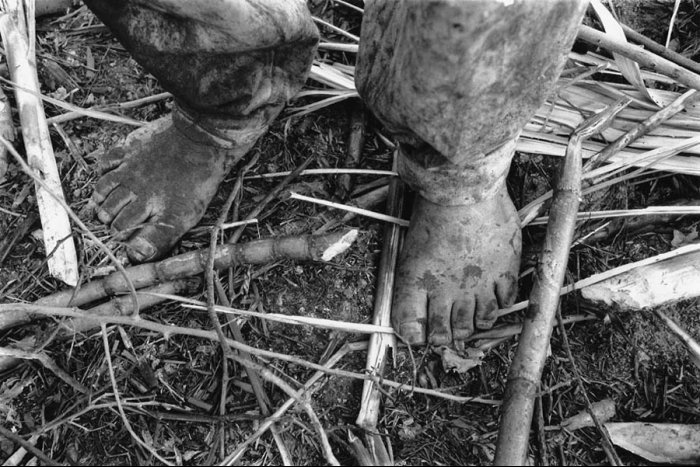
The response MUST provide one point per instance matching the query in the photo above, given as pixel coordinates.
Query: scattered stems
(534, 208)
(641, 56)
(380, 343)
(117, 399)
(170, 330)
(640, 130)
(211, 297)
(528, 363)
(308, 390)
(63, 260)
(272, 194)
(660, 50)
(269, 376)
(302, 248)
(5, 433)
(120, 306)
(47, 362)
(7, 130)
(91, 112)
(607, 443)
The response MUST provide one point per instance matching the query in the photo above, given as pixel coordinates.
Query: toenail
(141, 250)
(412, 333)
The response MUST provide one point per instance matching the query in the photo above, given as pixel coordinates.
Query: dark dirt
(171, 387)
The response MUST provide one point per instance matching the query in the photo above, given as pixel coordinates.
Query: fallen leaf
(452, 361)
(658, 442)
(680, 239)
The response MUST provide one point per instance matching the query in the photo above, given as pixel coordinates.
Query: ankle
(433, 177)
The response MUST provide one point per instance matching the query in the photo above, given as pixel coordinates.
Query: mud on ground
(172, 386)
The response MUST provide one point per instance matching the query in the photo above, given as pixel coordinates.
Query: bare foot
(157, 186)
(457, 266)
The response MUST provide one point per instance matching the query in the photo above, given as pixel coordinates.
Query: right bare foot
(457, 266)
(157, 186)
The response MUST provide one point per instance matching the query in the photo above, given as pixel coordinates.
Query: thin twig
(117, 399)
(344, 207)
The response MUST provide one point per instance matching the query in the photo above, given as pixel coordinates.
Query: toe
(409, 313)
(103, 188)
(463, 318)
(486, 307)
(153, 241)
(110, 160)
(131, 217)
(506, 290)
(113, 204)
(439, 313)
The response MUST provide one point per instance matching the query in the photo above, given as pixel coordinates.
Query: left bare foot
(457, 266)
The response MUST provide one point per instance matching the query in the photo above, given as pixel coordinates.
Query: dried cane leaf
(658, 442)
(629, 69)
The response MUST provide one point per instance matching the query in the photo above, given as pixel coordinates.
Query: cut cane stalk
(58, 241)
(308, 247)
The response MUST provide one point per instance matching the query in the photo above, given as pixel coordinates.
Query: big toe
(409, 315)
(153, 240)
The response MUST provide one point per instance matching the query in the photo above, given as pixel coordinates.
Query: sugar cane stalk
(303, 248)
(528, 363)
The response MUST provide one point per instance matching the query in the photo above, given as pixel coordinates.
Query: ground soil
(173, 385)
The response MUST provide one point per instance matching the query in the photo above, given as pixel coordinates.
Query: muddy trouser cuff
(439, 181)
(234, 135)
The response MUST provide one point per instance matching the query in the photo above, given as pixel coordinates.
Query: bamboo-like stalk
(302, 248)
(660, 50)
(62, 260)
(528, 363)
(380, 343)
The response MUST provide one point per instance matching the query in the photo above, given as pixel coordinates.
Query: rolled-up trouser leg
(230, 64)
(456, 81)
